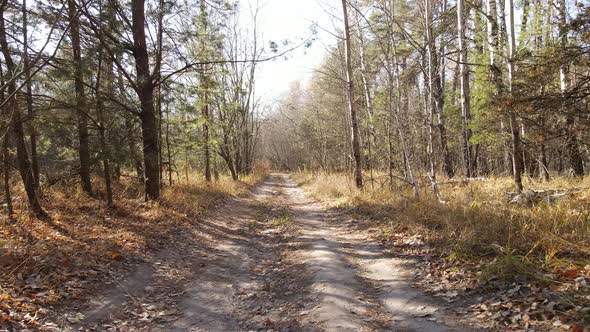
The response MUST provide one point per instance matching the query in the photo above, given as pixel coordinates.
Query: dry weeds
(46, 262)
(478, 244)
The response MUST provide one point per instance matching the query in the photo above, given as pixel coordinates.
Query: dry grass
(83, 237)
(477, 221)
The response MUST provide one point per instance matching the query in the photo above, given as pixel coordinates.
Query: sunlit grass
(477, 219)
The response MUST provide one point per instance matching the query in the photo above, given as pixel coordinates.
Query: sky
(292, 20)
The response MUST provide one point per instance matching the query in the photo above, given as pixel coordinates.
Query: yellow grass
(477, 219)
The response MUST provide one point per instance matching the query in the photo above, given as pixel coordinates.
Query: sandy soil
(239, 271)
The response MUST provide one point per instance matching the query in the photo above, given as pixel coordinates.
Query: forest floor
(271, 261)
(278, 260)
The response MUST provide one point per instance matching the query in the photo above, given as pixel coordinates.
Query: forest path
(240, 270)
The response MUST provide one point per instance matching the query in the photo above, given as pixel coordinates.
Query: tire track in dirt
(223, 275)
(358, 286)
(238, 270)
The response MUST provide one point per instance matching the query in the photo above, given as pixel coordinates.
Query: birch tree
(354, 129)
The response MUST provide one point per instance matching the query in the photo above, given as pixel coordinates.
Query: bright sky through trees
(293, 21)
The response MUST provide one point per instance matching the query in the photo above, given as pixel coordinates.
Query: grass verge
(516, 267)
(477, 221)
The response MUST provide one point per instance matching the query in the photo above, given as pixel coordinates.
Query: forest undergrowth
(477, 242)
(83, 241)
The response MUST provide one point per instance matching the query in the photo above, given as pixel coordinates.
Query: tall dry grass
(477, 220)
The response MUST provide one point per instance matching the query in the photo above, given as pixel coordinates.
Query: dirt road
(273, 261)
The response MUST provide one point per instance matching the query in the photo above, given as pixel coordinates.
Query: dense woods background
(96, 91)
(445, 88)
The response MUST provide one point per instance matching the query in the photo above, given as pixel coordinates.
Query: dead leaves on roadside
(546, 302)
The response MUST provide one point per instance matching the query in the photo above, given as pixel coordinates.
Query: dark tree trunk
(149, 133)
(104, 152)
(6, 157)
(145, 92)
(23, 162)
(29, 98)
(573, 149)
(6, 171)
(517, 160)
(230, 165)
(81, 106)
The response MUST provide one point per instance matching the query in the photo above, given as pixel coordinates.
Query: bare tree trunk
(368, 97)
(356, 150)
(435, 89)
(156, 77)
(6, 174)
(6, 157)
(205, 92)
(389, 143)
(465, 96)
(517, 163)
(104, 153)
(81, 106)
(543, 166)
(29, 98)
(23, 162)
(496, 44)
(495, 73)
(145, 93)
(168, 149)
(431, 105)
(571, 139)
(103, 146)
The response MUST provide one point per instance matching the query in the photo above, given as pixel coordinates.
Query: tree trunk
(104, 153)
(436, 97)
(145, 93)
(206, 152)
(23, 162)
(81, 106)
(517, 163)
(6, 159)
(168, 149)
(6, 174)
(571, 139)
(465, 96)
(368, 97)
(543, 165)
(29, 98)
(356, 149)
(432, 104)
(205, 92)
